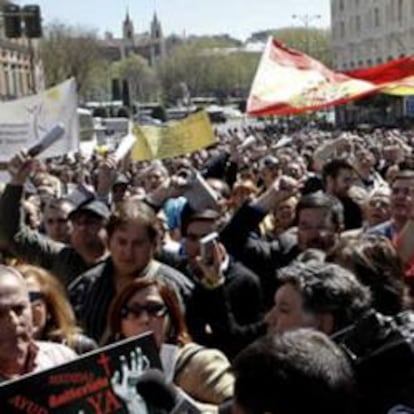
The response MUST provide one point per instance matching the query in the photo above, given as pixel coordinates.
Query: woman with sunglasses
(53, 317)
(149, 304)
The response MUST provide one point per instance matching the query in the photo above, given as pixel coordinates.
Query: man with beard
(87, 238)
(319, 224)
(337, 177)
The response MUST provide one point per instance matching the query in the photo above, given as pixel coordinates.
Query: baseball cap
(121, 179)
(94, 206)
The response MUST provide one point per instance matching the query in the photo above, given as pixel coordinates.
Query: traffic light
(12, 21)
(32, 21)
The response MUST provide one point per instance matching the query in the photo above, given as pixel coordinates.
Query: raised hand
(20, 167)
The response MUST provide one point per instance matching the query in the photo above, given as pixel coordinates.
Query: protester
(20, 353)
(225, 308)
(323, 296)
(375, 210)
(376, 264)
(337, 177)
(402, 190)
(53, 316)
(149, 304)
(66, 262)
(132, 244)
(319, 221)
(297, 372)
(281, 215)
(56, 219)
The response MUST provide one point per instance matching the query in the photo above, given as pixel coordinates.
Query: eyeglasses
(35, 296)
(154, 310)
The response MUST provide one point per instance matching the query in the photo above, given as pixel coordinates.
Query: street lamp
(306, 19)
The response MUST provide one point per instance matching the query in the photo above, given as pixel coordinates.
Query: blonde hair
(61, 325)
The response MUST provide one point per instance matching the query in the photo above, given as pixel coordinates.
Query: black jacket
(92, 292)
(261, 256)
(230, 316)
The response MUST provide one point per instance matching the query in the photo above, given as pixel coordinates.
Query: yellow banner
(189, 135)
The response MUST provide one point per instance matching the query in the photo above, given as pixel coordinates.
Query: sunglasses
(155, 310)
(35, 296)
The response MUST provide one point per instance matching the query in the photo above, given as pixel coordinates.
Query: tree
(312, 41)
(141, 78)
(207, 71)
(72, 51)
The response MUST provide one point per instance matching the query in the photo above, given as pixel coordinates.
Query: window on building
(341, 5)
(342, 29)
(15, 80)
(21, 82)
(379, 61)
(377, 21)
(28, 80)
(358, 24)
(6, 80)
(400, 10)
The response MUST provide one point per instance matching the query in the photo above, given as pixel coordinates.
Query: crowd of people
(314, 234)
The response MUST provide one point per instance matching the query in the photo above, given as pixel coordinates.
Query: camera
(381, 351)
(207, 244)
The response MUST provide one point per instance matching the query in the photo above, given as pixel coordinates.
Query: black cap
(121, 179)
(93, 206)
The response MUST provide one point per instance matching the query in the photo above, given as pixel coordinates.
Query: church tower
(156, 30)
(128, 28)
(157, 40)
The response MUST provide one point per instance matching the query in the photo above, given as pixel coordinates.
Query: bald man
(19, 352)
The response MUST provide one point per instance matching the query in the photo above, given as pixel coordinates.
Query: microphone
(47, 140)
(160, 394)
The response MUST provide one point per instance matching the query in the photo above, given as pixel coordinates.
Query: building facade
(370, 32)
(150, 45)
(19, 67)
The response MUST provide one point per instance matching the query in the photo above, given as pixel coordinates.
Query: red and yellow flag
(290, 82)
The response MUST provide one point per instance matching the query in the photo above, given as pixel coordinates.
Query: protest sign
(179, 138)
(125, 145)
(100, 382)
(24, 121)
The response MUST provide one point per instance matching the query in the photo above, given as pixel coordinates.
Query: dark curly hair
(330, 288)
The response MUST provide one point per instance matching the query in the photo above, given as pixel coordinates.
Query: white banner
(24, 121)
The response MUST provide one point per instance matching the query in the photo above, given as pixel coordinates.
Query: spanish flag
(290, 82)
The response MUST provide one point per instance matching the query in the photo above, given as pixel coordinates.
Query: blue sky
(239, 18)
